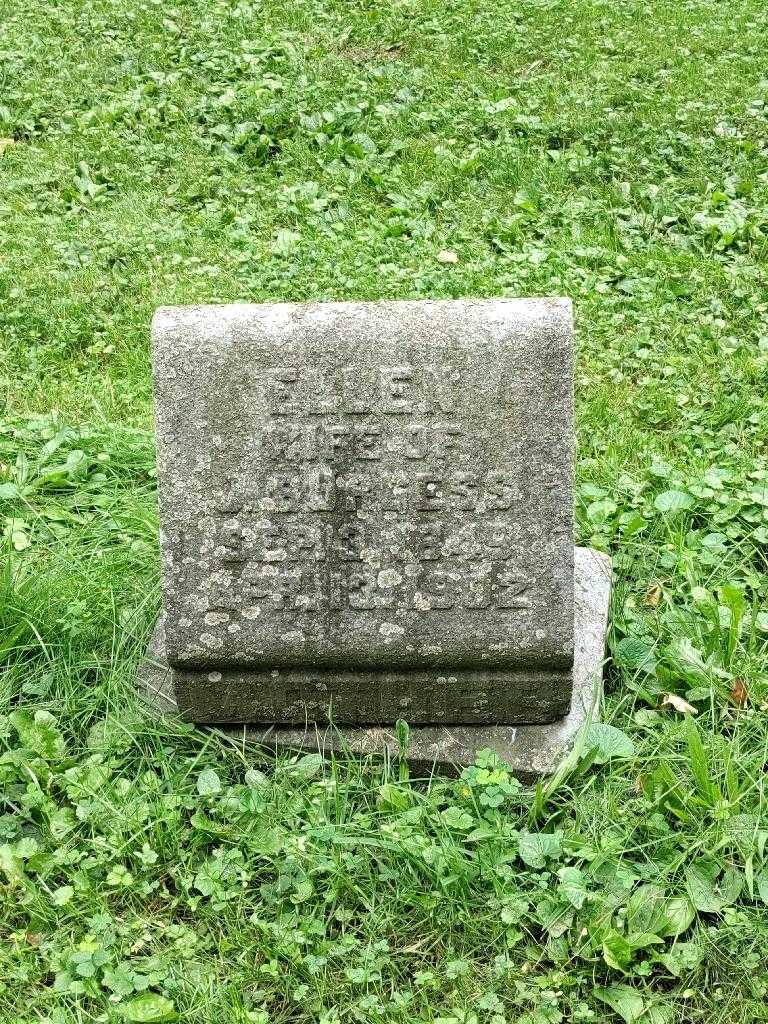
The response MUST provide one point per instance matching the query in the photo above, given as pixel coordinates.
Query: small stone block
(532, 751)
(366, 510)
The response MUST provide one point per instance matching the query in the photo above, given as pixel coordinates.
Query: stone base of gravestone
(532, 751)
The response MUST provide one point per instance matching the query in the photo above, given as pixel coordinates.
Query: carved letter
(430, 492)
(463, 491)
(414, 441)
(500, 490)
(281, 488)
(367, 441)
(395, 390)
(336, 441)
(361, 590)
(440, 384)
(444, 441)
(429, 539)
(233, 542)
(434, 591)
(322, 490)
(511, 589)
(282, 393)
(350, 540)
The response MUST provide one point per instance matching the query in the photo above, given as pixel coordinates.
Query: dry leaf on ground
(672, 700)
(739, 694)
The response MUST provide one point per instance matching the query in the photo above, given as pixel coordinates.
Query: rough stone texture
(532, 751)
(298, 695)
(366, 508)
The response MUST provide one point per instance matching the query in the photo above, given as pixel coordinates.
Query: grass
(220, 150)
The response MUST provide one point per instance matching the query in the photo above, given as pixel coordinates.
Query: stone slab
(532, 751)
(367, 509)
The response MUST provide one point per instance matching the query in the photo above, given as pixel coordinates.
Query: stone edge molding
(531, 751)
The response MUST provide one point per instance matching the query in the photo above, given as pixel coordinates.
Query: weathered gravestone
(367, 515)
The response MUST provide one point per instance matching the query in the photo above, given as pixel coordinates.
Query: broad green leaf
(710, 891)
(149, 1008)
(10, 863)
(633, 653)
(623, 1000)
(61, 821)
(26, 847)
(688, 660)
(308, 767)
(536, 847)
(743, 830)
(762, 885)
(40, 734)
(673, 501)
(457, 817)
(393, 797)
(208, 783)
(61, 896)
(682, 958)
(679, 913)
(572, 886)
(12, 857)
(20, 540)
(554, 917)
(659, 1013)
(477, 835)
(285, 241)
(617, 952)
(699, 762)
(598, 511)
(642, 940)
(631, 523)
(608, 742)
(646, 910)
(254, 778)
(700, 883)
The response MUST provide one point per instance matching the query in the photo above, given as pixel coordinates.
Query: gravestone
(367, 515)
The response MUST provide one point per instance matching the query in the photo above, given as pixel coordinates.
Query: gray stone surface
(532, 751)
(366, 509)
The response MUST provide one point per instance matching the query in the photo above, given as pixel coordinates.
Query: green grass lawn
(318, 149)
